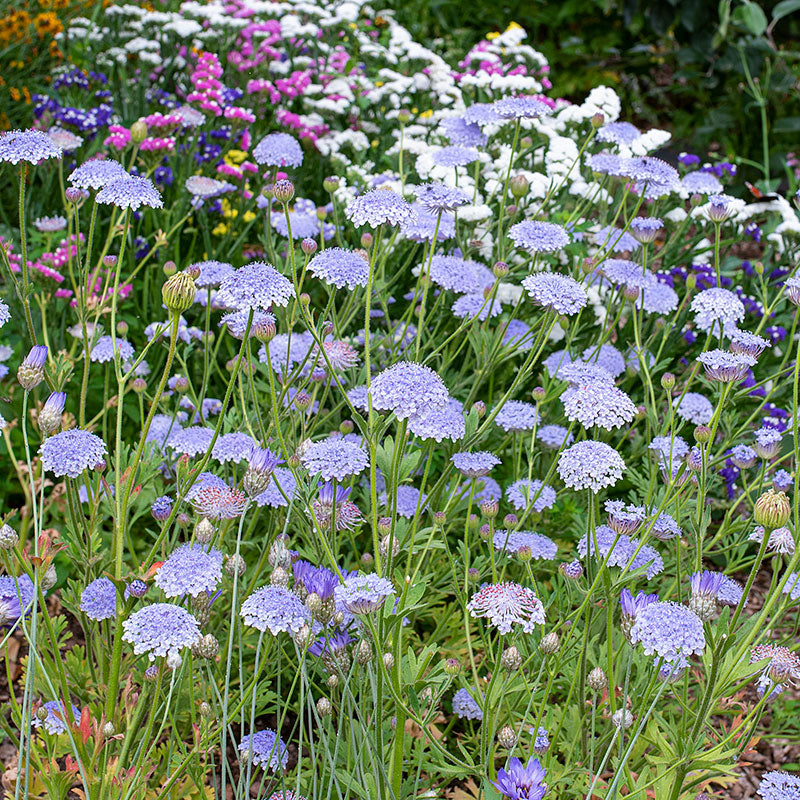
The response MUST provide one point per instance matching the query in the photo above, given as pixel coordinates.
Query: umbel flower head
(507, 604)
(559, 293)
(363, 594)
(71, 452)
(465, 707)
(590, 465)
(538, 237)
(522, 781)
(669, 630)
(275, 609)
(264, 749)
(30, 145)
(131, 192)
(99, 599)
(335, 458)
(55, 722)
(340, 267)
(779, 786)
(725, 367)
(190, 569)
(278, 150)
(161, 629)
(97, 173)
(407, 388)
(379, 207)
(255, 286)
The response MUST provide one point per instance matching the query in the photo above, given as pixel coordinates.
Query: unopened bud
(284, 191)
(772, 510)
(598, 119)
(388, 661)
(138, 131)
(31, 371)
(500, 269)
(49, 579)
(110, 261)
(702, 434)
(324, 707)
(178, 292)
(139, 385)
(667, 381)
(279, 577)
(550, 643)
(506, 737)
(452, 667)
(8, 538)
(207, 647)
(364, 652)
(511, 660)
(597, 680)
(50, 415)
(519, 186)
(366, 240)
(479, 407)
(235, 566)
(108, 730)
(308, 246)
(204, 531)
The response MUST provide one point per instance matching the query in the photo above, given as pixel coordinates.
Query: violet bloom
(379, 207)
(407, 388)
(255, 286)
(507, 604)
(669, 630)
(275, 609)
(521, 781)
(539, 237)
(363, 594)
(335, 459)
(99, 599)
(440, 197)
(553, 292)
(71, 452)
(590, 465)
(131, 192)
(278, 150)
(465, 707)
(475, 465)
(97, 173)
(161, 629)
(29, 145)
(339, 267)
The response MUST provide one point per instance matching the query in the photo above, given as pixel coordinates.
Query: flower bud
(151, 673)
(31, 371)
(332, 681)
(235, 565)
(9, 538)
(500, 269)
(588, 265)
(702, 434)
(772, 510)
(284, 191)
(525, 553)
(279, 577)
(183, 520)
(388, 661)
(42, 713)
(207, 647)
(330, 184)
(597, 679)
(49, 579)
(346, 427)
(667, 381)
(511, 660)
(139, 385)
(404, 116)
(519, 186)
(178, 292)
(366, 240)
(50, 415)
(439, 518)
(506, 737)
(204, 531)
(550, 643)
(324, 707)
(108, 730)
(631, 293)
(308, 246)
(598, 119)
(364, 652)
(485, 531)
(137, 588)
(138, 131)
(303, 637)
(622, 718)
(204, 709)
(490, 508)
(452, 667)
(73, 194)
(480, 408)
(366, 559)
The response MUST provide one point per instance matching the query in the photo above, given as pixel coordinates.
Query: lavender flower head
(618, 133)
(28, 145)
(335, 459)
(161, 508)
(461, 132)
(475, 465)
(694, 408)
(191, 441)
(725, 367)
(454, 156)
(522, 495)
(521, 781)
(255, 286)
(160, 629)
(718, 310)
(779, 786)
(71, 452)
(554, 436)
(278, 150)
(440, 197)
(751, 344)
(443, 422)
(538, 237)
(507, 604)
(190, 569)
(233, 447)
(50, 224)
(542, 547)
(219, 502)
(265, 748)
(103, 351)
(590, 465)
(522, 107)
(476, 305)
(379, 207)
(559, 293)
(334, 509)
(339, 267)
(669, 630)
(517, 416)
(407, 388)
(363, 594)
(55, 722)
(97, 173)
(130, 193)
(212, 273)
(605, 406)
(275, 609)
(99, 599)
(465, 707)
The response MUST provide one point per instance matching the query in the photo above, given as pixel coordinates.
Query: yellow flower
(16, 94)
(235, 157)
(221, 229)
(493, 35)
(248, 216)
(47, 24)
(514, 26)
(426, 114)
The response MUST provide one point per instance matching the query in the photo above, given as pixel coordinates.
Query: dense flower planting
(384, 427)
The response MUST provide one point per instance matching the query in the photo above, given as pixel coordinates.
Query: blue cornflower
(618, 133)
(235, 447)
(507, 604)
(522, 107)
(212, 273)
(470, 306)
(461, 132)
(554, 436)
(191, 441)
(521, 781)
(56, 720)
(694, 408)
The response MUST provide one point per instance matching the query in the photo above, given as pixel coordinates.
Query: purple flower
(363, 594)
(130, 193)
(604, 543)
(50, 224)
(212, 273)
(522, 494)
(461, 132)
(407, 388)
(454, 156)
(440, 197)
(265, 748)
(669, 630)
(725, 367)
(219, 502)
(335, 459)
(103, 351)
(517, 416)
(782, 481)
(522, 107)
(255, 286)
(652, 176)
(768, 442)
(408, 499)
(55, 722)
(160, 629)
(615, 240)
(779, 786)
(598, 404)
(542, 547)
(590, 465)
(281, 486)
(559, 293)
(426, 223)
(521, 781)
(191, 441)
(302, 225)
(234, 447)
(554, 436)
(619, 133)
(340, 267)
(162, 428)
(278, 150)
(698, 182)
(459, 275)
(538, 237)
(645, 229)
(624, 519)
(161, 508)
(717, 310)
(29, 145)
(16, 594)
(71, 452)
(443, 422)
(475, 465)
(607, 357)
(470, 306)
(275, 609)
(97, 173)
(190, 569)
(333, 508)
(99, 599)
(507, 604)
(751, 344)
(480, 114)
(379, 207)
(694, 408)
(518, 335)
(236, 323)
(465, 707)
(608, 164)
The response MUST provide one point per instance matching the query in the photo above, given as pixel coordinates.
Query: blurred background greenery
(711, 71)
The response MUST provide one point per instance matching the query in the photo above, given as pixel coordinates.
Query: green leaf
(784, 8)
(788, 124)
(752, 17)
